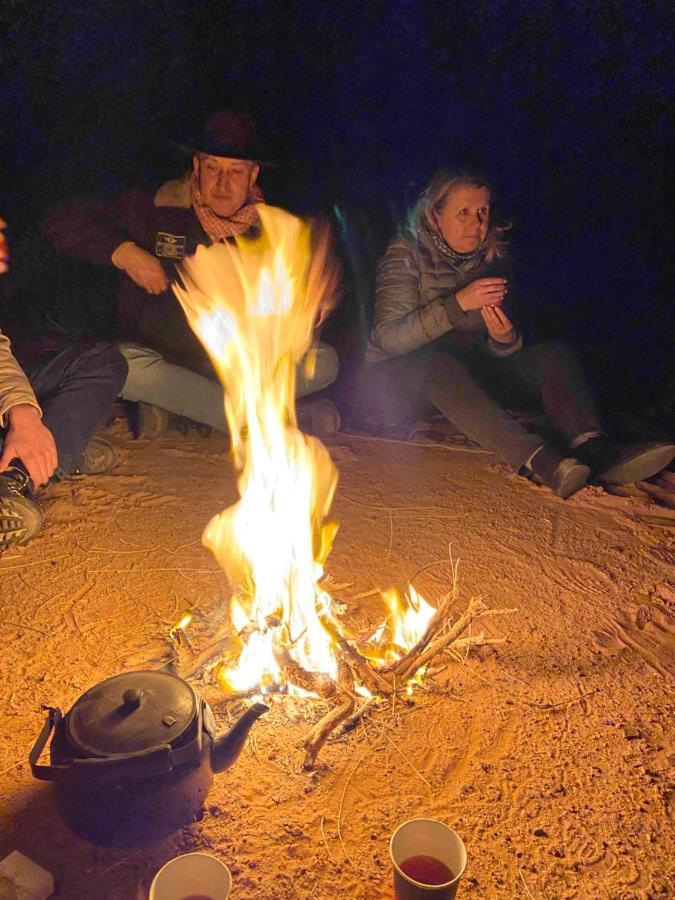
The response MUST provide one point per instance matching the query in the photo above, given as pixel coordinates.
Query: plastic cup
(193, 874)
(426, 838)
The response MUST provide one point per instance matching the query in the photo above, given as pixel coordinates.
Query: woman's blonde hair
(434, 197)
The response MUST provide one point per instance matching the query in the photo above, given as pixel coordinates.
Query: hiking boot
(564, 475)
(183, 426)
(614, 465)
(99, 456)
(21, 518)
(152, 422)
(318, 416)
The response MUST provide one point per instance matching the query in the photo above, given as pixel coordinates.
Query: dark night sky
(565, 105)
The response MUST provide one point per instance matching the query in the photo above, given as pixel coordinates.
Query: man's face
(224, 183)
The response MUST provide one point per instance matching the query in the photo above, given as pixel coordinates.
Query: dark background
(565, 105)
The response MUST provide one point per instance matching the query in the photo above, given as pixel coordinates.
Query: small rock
(642, 616)
(253, 863)
(540, 832)
(631, 733)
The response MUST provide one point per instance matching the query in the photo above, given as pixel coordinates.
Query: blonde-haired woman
(444, 329)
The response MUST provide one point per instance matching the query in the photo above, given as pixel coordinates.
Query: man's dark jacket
(166, 226)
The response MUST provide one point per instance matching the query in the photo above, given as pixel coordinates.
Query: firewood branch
(319, 734)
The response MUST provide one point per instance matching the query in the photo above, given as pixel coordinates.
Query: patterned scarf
(458, 260)
(219, 228)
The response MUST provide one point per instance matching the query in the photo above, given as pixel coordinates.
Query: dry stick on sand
(318, 735)
(440, 638)
(387, 680)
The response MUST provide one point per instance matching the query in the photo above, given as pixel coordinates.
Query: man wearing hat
(145, 236)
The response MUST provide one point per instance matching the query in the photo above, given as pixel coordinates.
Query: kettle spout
(228, 746)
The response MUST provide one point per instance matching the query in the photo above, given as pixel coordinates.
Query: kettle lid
(131, 713)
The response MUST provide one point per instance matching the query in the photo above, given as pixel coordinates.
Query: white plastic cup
(192, 873)
(426, 837)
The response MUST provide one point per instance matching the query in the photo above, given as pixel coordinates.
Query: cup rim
(422, 884)
(187, 855)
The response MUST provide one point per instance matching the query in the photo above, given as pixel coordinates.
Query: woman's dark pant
(474, 390)
(75, 386)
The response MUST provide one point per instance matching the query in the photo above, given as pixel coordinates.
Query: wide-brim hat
(228, 134)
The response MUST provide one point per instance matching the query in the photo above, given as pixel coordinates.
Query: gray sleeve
(401, 323)
(497, 349)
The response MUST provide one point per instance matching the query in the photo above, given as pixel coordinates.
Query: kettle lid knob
(132, 698)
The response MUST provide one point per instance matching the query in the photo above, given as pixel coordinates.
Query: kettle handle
(44, 773)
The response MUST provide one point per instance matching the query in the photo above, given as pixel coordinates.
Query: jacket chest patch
(170, 246)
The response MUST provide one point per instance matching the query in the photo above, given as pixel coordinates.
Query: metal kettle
(134, 758)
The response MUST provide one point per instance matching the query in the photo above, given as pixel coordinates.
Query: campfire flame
(254, 303)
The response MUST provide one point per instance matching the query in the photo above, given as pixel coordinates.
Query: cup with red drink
(428, 859)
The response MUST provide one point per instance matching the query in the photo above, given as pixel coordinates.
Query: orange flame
(254, 304)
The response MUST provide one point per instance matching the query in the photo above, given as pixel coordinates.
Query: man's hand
(30, 441)
(142, 267)
(482, 292)
(499, 325)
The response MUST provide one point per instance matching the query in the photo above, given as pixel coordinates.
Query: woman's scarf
(219, 228)
(458, 260)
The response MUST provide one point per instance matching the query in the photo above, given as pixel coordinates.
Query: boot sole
(20, 520)
(643, 465)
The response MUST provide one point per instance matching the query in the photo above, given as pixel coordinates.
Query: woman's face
(464, 219)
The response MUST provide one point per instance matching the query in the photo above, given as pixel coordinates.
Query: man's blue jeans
(152, 379)
(74, 386)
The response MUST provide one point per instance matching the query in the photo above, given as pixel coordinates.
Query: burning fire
(254, 305)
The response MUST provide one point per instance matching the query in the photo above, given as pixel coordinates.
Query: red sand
(551, 756)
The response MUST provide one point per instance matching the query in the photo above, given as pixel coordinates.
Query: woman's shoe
(564, 475)
(615, 465)
(638, 463)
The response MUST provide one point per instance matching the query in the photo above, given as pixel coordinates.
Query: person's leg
(550, 372)
(75, 387)
(316, 370)
(450, 386)
(151, 379)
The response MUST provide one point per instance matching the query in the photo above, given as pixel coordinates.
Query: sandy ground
(551, 756)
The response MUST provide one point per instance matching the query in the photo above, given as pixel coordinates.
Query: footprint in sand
(578, 576)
